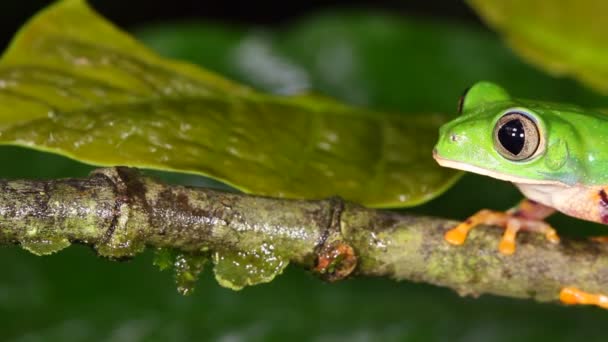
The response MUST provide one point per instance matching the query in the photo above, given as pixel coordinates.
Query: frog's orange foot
(512, 223)
(574, 296)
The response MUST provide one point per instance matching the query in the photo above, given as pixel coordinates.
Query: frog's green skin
(568, 171)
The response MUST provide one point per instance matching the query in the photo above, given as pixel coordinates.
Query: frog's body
(567, 168)
(556, 154)
(587, 203)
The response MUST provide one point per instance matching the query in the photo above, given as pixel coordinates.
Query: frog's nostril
(453, 137)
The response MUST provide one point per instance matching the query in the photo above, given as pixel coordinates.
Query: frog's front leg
(527, 215)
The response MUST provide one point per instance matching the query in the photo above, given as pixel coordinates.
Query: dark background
(129, 13)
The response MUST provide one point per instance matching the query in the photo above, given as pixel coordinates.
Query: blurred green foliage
(396, 64)
(563, 38)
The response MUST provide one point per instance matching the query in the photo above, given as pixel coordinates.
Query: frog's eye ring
(516, 136)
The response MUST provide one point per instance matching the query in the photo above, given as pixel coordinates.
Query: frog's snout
(454, 137)
(449, 142)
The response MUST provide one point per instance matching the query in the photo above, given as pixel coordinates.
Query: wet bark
(119, 212)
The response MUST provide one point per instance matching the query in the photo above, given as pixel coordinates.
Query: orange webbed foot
(513, 221)
(574, 296)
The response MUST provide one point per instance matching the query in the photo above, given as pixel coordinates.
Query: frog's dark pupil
(512, 136)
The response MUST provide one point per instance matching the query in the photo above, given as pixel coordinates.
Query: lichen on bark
(251, 239)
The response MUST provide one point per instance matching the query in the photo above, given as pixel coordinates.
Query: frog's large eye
(516, 136)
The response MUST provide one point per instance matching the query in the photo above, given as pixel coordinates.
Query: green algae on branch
(251, 239)
(187, 267)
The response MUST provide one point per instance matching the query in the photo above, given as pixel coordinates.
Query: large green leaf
(73, 84)
(562, 37)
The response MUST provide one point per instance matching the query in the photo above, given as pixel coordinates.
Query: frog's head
(514, 140)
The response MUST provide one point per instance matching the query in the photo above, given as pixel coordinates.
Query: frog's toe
(510, 222)
(458, 234)
(575, 296)
(542, 227)
(507, 242)
(599, 239)
(515, 224)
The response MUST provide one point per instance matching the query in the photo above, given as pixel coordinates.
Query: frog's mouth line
(486, 172)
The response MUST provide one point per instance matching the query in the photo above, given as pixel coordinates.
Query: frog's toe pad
(458, 234)
(506, 247)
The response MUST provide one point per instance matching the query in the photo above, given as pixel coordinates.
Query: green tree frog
(556, 154)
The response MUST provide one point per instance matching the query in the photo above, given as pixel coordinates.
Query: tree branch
(119, 212)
